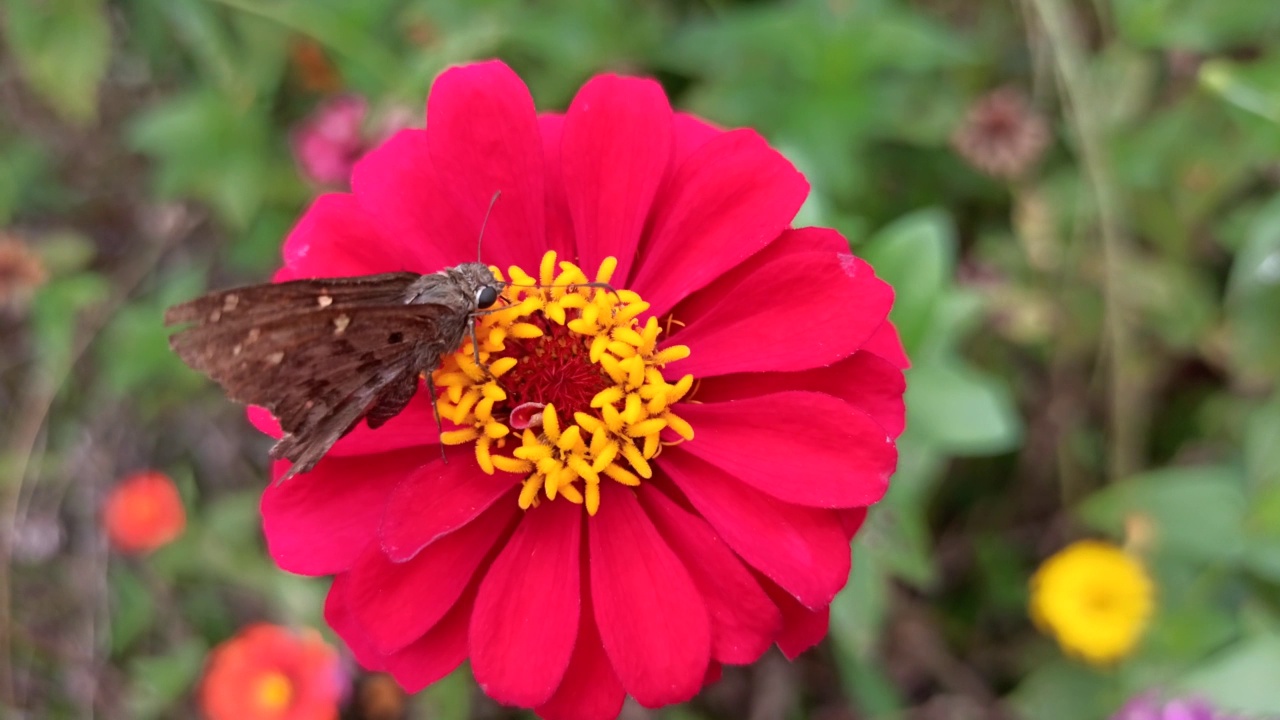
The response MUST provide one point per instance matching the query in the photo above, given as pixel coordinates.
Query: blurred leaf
(858, 612)
(1195, 24)
(1064, 690)
(57, 308)
(961, 411)
(1178, 302)
(25, 180)
(1253, 294)
(1197, 512)
(448, 699)
(132, 608)
(1252, 87)
(915, 254)
(1242, 678)
(157, 682)
(208, 149)
(149, 364)
(63, 48)
(1261, 451)
(65, 253)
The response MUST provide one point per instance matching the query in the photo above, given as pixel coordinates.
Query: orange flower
(143, 513)
(267, 672)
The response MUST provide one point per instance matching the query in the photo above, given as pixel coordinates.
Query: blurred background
(1078, 202)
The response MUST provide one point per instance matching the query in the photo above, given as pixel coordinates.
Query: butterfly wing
(319, 366)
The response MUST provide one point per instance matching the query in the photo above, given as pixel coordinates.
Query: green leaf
(1254, 88)
(858, 613)
(915, 254)
(1242, 678)
(448, 699)
(132, 608)
(157, 682)
(1198, 513)
(63, 48)
(1063, 690)
(960, 410)
(1261, 451)
(1253, 294)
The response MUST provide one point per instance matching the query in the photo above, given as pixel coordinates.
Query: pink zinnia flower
(656, 481)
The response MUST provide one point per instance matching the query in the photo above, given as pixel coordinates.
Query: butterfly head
(485, 288)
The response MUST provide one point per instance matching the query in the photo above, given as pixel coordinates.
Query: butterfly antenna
(492, 202)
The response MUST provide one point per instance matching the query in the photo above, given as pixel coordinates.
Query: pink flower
(328, 143)
(690, 455)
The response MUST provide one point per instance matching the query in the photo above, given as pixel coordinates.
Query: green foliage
(63, 48)
(1094, 343)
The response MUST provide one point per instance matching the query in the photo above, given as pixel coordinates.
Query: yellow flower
(1094, 599)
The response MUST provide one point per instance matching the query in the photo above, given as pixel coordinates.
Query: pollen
(571, 389)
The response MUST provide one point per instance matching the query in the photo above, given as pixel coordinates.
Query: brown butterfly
(323, 354)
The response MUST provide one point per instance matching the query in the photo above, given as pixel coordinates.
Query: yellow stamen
(610, 435)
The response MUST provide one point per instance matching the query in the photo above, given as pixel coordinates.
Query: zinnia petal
(337, 613)
(435, 500)
(399, 188)
(802, 628)
(337, 238)
(484, 138)
(652, 619)
(559, 221)
(396, 603)
(755, 322)
(437, 653)
(867, 382)
(616, 147)
(318, 524)
(886, 343)
(802, 447)
(802, 549)
(727, 201)
(744, 621)
(591, 689)
(528, 608)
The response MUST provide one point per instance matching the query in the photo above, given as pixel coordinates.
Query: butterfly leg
(475, 345)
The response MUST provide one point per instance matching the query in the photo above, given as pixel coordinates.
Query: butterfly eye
(486, 296)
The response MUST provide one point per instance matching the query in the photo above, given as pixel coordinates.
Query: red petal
(526, 617)
(802, 549)
(802, 628)
(805, 448)
(726, 202)
(337, 238)
(690, 133)
(851, 520)
(867, 382)
(617, 143)
(398, 186)
(652, 619)
(744, 621)
(318, 523)
(782, 311)
(437, 653)
(397, 602)
(590, 689)
(435, 500)
(559, 221)
(483, 136)
(886, 343)
(337, 612)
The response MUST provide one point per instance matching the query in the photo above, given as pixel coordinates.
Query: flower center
(570, 389)
(273, 692)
